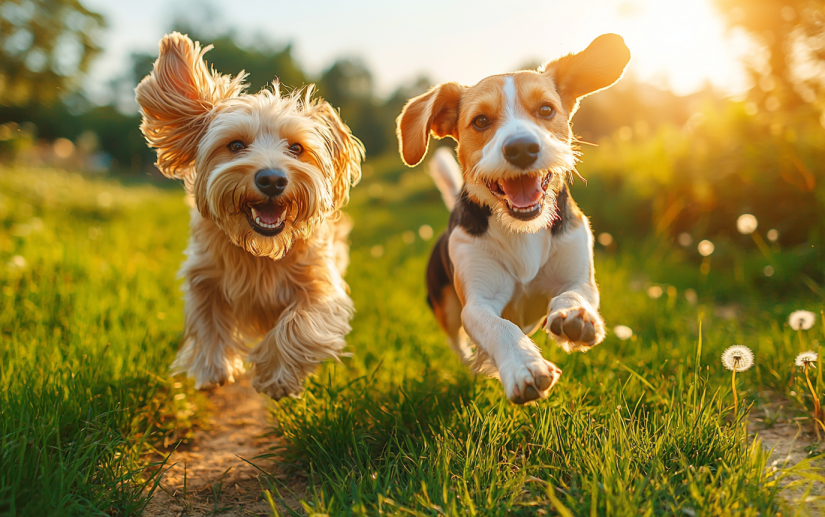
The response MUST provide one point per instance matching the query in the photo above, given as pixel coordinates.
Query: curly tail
(446, 174)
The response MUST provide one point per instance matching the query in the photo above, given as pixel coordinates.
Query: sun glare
(682, 45)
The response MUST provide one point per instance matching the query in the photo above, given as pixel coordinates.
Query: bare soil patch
(789, 443)
(209, 476)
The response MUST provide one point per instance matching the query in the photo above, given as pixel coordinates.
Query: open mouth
(523, 194)
(267, 218)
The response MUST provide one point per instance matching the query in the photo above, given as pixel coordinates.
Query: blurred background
(719, 114)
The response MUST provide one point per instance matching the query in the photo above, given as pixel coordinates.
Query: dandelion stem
(817, 407)
(762, 245)
(801, 341)
(733, 384)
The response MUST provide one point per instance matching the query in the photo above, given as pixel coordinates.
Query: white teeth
(526, 210)
(269, 226)
(257, 218)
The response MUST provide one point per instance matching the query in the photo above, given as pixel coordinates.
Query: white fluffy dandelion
(808, 358)
(737, 358)
(706, 248)
(746, 224)
(801, 320)
(623, 332)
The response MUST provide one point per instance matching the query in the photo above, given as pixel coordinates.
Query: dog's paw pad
(575, 329)
(530, 382)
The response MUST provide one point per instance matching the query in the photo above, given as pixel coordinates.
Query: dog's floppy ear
(177, 101)
(347, 151)
(598, 66)
(436, 111)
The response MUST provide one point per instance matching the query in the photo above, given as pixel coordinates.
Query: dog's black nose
(271, 182)
(521, 151)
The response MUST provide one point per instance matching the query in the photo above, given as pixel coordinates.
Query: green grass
(91, 317)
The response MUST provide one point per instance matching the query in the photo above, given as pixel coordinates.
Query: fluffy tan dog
(269, 174)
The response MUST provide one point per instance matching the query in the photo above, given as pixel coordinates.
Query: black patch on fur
(439, 269)
(470, 216)
(566, 209)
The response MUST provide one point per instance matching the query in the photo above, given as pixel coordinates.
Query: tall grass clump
(89, 314)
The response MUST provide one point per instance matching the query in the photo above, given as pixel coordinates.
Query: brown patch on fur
(595, 68)
(435, 111)
(177, 100)
(486, 98)
(346, 150)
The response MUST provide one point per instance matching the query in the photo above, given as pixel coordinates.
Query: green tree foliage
(45, 47)
(264, 63)
(788, 70)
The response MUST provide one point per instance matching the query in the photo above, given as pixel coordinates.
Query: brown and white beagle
(518, 251)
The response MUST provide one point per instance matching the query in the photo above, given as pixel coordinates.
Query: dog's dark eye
(236, 146)
(296, 149)
(481, 122)
(546, 112)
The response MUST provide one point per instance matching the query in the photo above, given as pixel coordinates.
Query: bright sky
(676, 43)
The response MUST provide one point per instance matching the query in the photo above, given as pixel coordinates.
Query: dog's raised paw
(575, 329)
(529, 381)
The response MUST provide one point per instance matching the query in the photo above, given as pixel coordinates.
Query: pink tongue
(523, 191)
(269, 213)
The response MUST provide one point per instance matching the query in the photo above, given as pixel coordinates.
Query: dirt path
(208, 476)
(789, 444)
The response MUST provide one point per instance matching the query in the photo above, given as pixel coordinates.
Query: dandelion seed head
(426, 232)
(737, 358)
(17, 262)
(623, 332)
(655, 292)
(746, 224)
(808, 358)
(706, 248)
(801, 320)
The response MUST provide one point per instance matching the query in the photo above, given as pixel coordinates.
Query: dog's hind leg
(447, 311)
(443, 300)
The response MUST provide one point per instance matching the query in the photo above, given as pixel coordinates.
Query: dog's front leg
(212, 350)
(524, 373)
(307, 332)
(573, 316)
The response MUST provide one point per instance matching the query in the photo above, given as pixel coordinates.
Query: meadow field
(91, 316)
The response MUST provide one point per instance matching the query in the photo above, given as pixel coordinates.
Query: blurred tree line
(57, 108)
(667, 164)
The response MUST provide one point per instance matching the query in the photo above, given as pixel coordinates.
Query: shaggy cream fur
(279, 285)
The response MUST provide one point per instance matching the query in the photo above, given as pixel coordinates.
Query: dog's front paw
(276, 386)
(528, 380)
(208, 375)
(576, 329)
